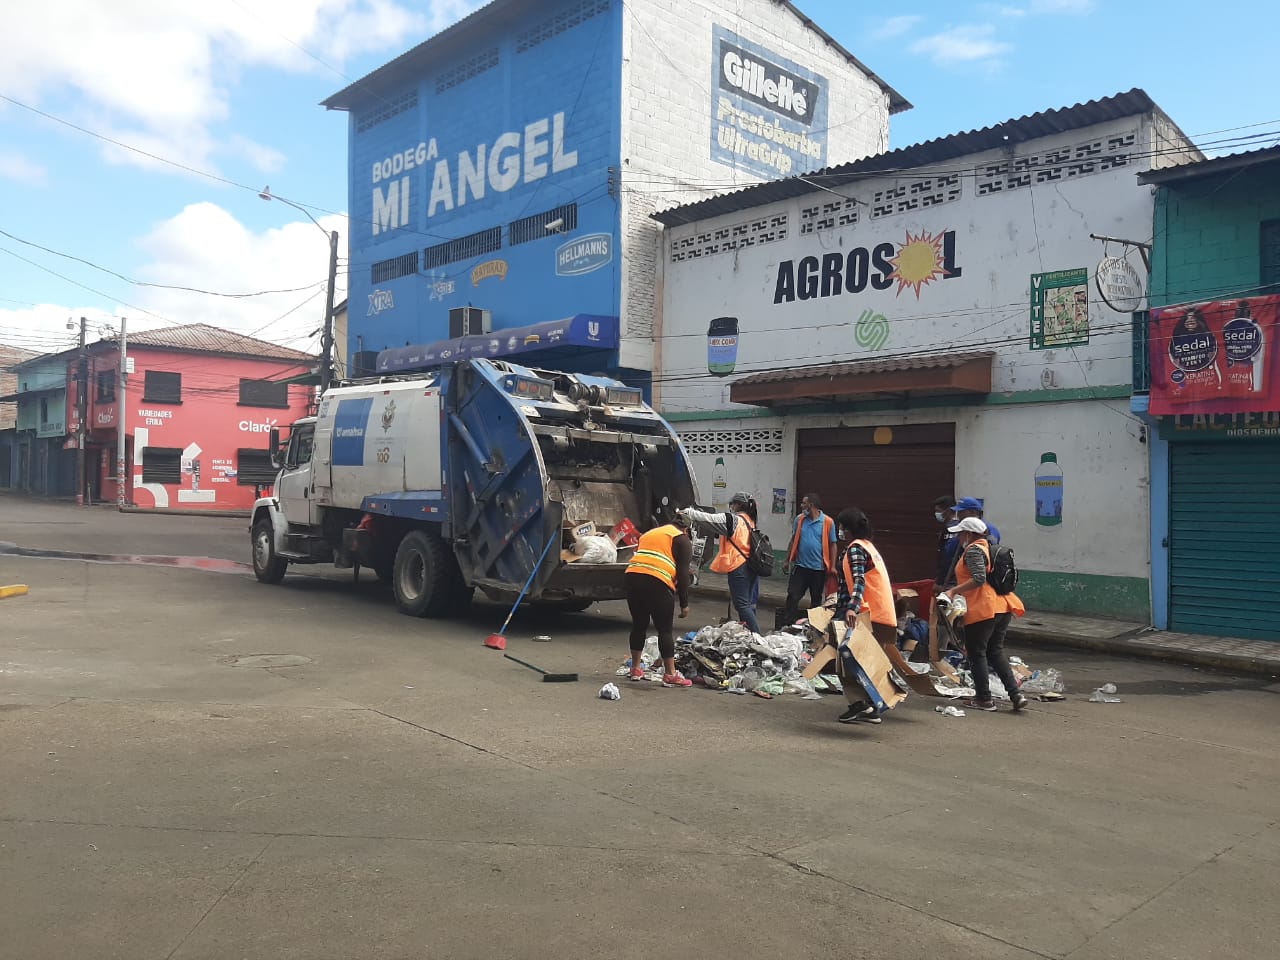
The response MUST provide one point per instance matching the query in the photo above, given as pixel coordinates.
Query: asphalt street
(199, 766)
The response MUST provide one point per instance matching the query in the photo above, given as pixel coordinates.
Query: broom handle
(525, 589)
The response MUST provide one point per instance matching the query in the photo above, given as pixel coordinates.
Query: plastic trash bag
(1044, 681)
(596, 550)
(610, 691)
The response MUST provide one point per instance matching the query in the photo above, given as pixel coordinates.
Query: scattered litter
(542, 638)
(610, 691)
(1108, 688)
(950, 711)
(1101, 695)
(1044, 681)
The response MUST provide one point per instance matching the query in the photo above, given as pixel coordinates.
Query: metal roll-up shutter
(893, 474)
(1224, 539)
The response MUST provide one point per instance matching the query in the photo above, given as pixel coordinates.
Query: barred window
(264, 393)
(161, 387)
(253, 468)
(401, 266)
(463, 248)
(536, 226)
(161, 465)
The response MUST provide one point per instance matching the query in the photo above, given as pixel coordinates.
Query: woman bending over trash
(863, 585)
(735, 529)
(656, 576)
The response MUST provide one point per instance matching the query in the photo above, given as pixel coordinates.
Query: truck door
(294, 487)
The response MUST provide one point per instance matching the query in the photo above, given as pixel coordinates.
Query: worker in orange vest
(811, 559)
(983, 646)
(735, 529)
(656, 577)
(864, 585)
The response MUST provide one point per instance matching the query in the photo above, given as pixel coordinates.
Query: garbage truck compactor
(469, 477)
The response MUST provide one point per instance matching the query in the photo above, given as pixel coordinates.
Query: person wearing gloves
(657, 575)
(735, 529)
(984, 649)
(864, 584)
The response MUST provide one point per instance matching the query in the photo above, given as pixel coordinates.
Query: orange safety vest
(983, 603)
(730, 558)
(877, 591)
(654, 555)
(828, 547)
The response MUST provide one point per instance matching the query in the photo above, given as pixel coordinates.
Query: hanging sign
(1120, 285)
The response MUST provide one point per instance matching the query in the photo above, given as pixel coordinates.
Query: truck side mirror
(273, 445)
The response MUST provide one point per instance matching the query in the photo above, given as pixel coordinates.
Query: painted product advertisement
(768, 114)
(1215, 357)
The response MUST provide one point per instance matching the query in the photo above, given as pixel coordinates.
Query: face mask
(940, 517)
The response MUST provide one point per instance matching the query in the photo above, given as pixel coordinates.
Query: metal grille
(485, 60)
(1056, 165)
(388, 109)
(464, 248)
(748, 233)
(161, 465)
(535, 227)
(401, 266)
(564, 19)
(721, 442)
(1142, 352)
(264, 393)
(253, 467)
(161, 387)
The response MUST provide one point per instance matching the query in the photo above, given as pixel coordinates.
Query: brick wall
(1208, 234)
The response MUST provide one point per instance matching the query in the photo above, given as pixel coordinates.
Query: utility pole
(82, 412)
(326, 337)
(122, 413)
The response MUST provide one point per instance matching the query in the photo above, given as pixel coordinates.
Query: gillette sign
(768, 115)
(766, 84)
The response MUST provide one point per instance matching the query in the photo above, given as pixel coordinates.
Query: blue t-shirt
(809, 555)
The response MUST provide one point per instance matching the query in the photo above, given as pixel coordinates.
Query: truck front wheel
(267, 566)
(421, 578)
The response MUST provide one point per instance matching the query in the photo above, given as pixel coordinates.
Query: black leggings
(984, 645)
(648, 598)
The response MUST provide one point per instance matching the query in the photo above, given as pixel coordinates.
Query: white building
(925, 322)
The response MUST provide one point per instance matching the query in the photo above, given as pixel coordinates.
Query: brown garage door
(892, 473)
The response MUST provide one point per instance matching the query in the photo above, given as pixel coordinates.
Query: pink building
(200, 403)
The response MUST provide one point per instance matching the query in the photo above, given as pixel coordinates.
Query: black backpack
(1003, 575)
(760, 559)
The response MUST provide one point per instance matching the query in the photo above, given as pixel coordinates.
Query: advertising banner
(1216, 357)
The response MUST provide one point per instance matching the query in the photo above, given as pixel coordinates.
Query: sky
(136, 135)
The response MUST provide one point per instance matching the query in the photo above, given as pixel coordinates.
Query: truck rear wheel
(423, 575)
(267, 566)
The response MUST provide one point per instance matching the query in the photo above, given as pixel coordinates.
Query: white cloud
(14, 166)
(1062, 6)
(163, 72)
(963, 44)
(205, 247)
(896, 27)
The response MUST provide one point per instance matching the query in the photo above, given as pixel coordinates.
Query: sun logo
(919, 260)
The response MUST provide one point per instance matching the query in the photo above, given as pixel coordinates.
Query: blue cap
(968, 503)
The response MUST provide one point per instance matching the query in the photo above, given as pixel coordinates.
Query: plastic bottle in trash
(1048, 491)
(720, 486)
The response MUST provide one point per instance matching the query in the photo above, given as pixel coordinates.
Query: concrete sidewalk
(1117, 637)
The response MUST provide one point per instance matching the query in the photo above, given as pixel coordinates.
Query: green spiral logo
(872, 330)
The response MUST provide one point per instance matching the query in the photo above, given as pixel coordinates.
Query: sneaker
(675, 680)
(637, 673)
(1019, 702)
(859, 713)
(975, 704)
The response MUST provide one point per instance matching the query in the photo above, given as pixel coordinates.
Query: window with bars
(401, 266)
(463, 248)
(160, 386)
(536, 226)
(1142, 352)
(254, 468)
(106, 386)
(161, 465)
(264, 393)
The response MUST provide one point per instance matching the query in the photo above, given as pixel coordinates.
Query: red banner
(1217, 357)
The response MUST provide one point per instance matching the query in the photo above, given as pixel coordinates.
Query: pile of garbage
(729, 657)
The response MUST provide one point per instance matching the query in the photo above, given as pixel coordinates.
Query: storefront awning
(950, 374)
(540, 342)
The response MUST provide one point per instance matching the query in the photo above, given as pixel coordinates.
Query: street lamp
(326, 338)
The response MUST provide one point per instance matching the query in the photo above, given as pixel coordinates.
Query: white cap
(968, 525)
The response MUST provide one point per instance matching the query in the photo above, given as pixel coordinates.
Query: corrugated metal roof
(941, 361)
(1008, 133)
(1213, 165)
(409, 66)
(205, 338)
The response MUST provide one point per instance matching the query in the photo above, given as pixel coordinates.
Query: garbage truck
(473, 475)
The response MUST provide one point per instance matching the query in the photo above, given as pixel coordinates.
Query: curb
(181, 512)
(1124, 645)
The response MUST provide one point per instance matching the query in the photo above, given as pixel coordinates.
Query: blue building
(502, 174)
